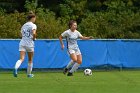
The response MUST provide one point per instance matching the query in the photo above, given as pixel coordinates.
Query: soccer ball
(88, 72)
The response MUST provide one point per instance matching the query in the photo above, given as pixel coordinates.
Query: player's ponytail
(30, 15)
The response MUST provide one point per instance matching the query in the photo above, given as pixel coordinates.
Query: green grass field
(56, 82)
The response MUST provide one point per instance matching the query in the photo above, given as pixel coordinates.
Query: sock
(18, 63)
(29, 69)
(74, 68)
(70, 64)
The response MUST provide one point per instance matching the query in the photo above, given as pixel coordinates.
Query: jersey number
(26, 33)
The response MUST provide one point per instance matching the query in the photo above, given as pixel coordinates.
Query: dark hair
(30, 15)
(71, 23)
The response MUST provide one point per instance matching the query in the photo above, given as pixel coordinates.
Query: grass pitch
(49, 82)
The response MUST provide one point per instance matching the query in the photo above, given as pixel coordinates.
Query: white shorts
(26, 49)
(75, 51)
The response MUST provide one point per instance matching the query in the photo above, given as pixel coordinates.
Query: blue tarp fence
(48, 54)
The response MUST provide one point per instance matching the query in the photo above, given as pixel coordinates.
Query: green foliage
(2, 11)
(73, 9)
(48, 26)
(10, 25)
(101, 18)
(118, 21)
(30, 5)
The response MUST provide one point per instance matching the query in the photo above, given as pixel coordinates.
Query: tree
(117, 21)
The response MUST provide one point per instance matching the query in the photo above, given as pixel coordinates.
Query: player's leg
(71, 63)
(78, 61)
(74, 58)
(18, 63)
(30, 64)
(77, 64)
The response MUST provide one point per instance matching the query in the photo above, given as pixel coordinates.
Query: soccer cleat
(65, 71)
(15, 73)
(30, 75)
(70, 74)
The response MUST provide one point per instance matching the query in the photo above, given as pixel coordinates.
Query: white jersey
(27, 34)
(71, 38)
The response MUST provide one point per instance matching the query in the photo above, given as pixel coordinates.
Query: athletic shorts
(75, 51)
(26, 49)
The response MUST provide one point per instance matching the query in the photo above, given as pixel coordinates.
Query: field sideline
(56, 82)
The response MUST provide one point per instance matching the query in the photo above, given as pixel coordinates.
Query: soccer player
(71, 36)
(28, 33)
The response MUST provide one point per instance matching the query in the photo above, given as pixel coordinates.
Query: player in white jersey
(71, 36)
(28, 32)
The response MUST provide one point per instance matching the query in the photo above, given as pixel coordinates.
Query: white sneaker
(30, 75)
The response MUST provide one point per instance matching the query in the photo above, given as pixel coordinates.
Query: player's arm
(34, 34)
(61, 42)
(34, 28)
(85, 38)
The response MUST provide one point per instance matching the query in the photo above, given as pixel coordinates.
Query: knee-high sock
(29, 69)
(70, 64)
(18, 63)
(74, 68)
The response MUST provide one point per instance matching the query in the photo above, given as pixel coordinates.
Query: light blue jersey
(27, 34)
(71, 38)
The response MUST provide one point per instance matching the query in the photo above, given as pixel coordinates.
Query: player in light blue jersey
(28, 33)
(71, 36)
